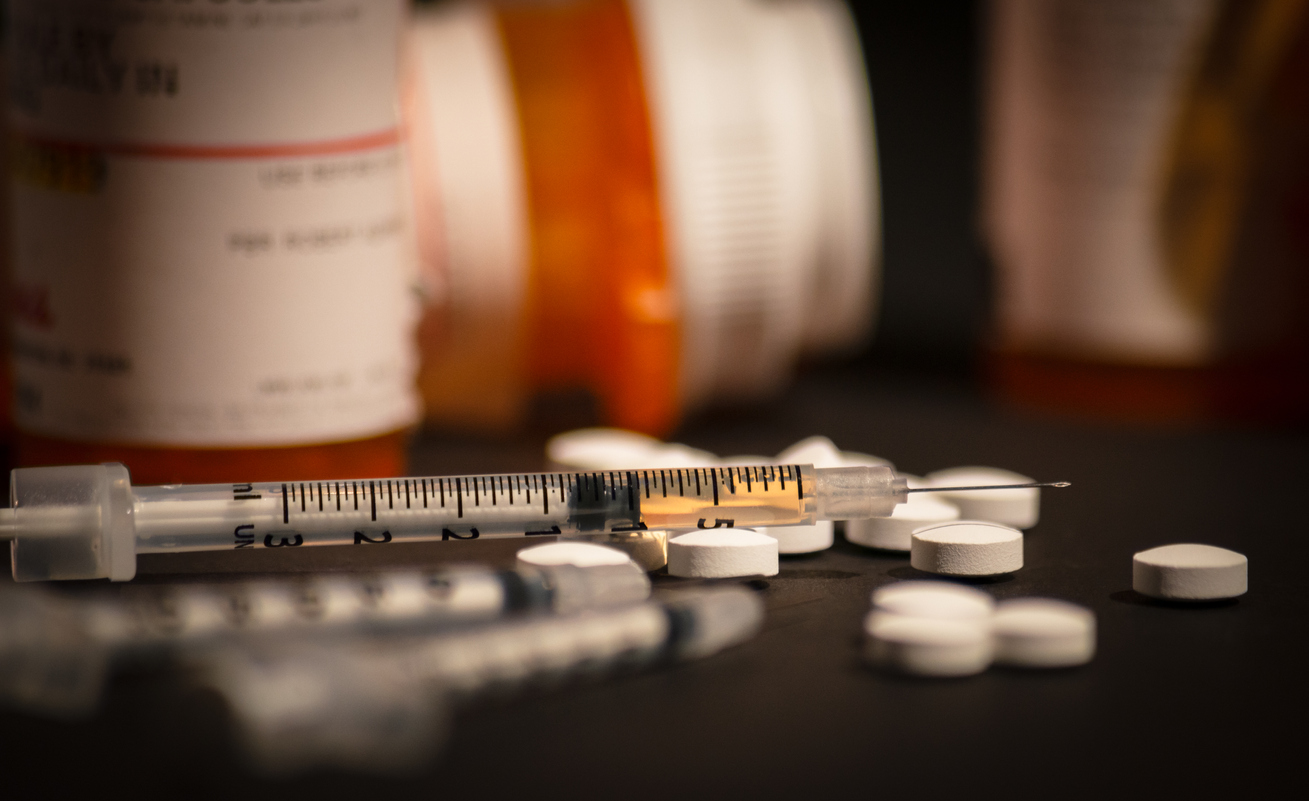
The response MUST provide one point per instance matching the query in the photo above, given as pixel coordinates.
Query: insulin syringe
(83, 522)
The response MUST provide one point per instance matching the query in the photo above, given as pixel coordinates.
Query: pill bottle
(210, 241)
(664, 203)
(1147, 197)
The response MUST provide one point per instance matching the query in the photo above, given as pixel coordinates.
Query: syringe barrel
(856, 493)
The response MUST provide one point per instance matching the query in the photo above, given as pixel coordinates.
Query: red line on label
(327, 147)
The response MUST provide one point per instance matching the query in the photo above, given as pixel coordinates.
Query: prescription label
(210, 239)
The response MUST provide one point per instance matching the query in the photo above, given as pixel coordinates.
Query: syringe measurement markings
(320, 496)
(799, 484)
(714, 475)
(781, 477)
(459, 495)
(286, 508)
(631, 499)
(302, 497)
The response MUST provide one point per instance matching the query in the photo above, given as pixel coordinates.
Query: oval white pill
(722, 553)
(935, 599)
(1043, 633)
(577, 554)
(926, 646)
(1019, 508)
(1190, 572)
(601, 449)
(893, 533)
(967, 548)
(802, 539)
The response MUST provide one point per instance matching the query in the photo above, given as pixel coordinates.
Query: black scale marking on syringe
(492, 487)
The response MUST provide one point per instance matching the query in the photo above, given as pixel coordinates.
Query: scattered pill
(927, 646)
(802, 539)
(1043, 633)
(675, 454)
(856, 459)
(1189, 572)
(1019, 508)
(935, 599)
(817, 451)
(893, 533)
(577, 554)
(967, 548)
(745, 460)
(600, 449)
(722, 553)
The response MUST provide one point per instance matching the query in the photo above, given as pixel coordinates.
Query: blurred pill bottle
(661, 202)
(209, 249)
(1147, 205)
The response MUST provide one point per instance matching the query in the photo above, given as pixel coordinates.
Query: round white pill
(1189, 572)
(577, 554)
(1043, 633)
(745, 460)
(1019, 508)
(601, 449)
(927, 646)
(967, 548)
(856, 459)
(722, 553)
(893, 533)
(675, 454)
(802, 539)
(817, 451)
(935, 599)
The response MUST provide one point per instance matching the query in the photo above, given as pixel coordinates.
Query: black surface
(1179, 699)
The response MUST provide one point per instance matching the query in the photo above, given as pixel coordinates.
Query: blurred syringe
(82, 522)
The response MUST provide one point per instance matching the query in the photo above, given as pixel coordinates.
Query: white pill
(856, 459)
(817, 451)
(934, 599)
(601, 449)
(1189, 572)
(927, 646)
(967, 548)
(674, 455)
(577, 554)
(1043, 633)
(722, 553)
(802, 539)
(893, 533)
(745, 460)
(1019, 508)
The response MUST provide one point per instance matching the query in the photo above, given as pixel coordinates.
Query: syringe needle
(1033, 485)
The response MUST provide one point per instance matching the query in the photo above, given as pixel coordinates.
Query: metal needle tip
(1034, 484)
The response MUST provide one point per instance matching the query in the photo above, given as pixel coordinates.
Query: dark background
(924, 64)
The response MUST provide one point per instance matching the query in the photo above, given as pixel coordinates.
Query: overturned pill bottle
(662, 203)
(210, 238)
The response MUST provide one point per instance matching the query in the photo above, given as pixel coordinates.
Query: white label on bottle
(210, 239)
(1082, 98)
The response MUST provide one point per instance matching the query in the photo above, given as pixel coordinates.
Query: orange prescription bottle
(210, 238)
(664, 202)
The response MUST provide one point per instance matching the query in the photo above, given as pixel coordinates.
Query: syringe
(84, 522)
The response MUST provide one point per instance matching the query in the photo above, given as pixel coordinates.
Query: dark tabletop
(1202, 699)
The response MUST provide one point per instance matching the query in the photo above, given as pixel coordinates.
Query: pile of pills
(936, 628)
(922, 628)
